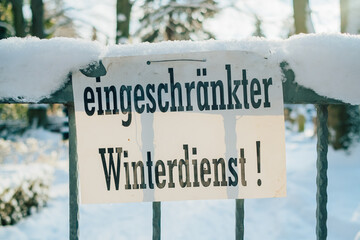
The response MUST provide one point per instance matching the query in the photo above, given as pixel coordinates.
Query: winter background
(41, 154)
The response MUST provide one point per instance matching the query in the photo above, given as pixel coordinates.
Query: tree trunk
(302, 17)
(344, 9)
(123, 10)
(37, 9)
(19, 21)
(169, 29)
(350, 17)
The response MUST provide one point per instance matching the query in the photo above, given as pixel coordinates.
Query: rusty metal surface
(239, 219)
(156, 220)
(73, 178)
(322, 166)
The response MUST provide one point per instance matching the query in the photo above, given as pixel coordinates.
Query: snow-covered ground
(292, 217)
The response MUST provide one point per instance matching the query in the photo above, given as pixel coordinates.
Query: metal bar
(156, 220)
(239, 219)
(73, 178)
(322, 165)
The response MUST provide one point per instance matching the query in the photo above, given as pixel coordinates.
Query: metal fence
(293, 94)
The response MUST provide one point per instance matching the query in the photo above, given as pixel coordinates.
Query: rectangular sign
(204, 125)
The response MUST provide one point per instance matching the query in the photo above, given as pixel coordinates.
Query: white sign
(204, 125)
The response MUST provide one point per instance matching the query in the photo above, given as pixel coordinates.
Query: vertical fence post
(239, 219)
(73, 178)
(321, 165)
(156, 220)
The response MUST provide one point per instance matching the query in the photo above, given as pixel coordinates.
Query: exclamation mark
(258, 161)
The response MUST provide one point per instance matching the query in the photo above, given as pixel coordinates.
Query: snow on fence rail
(317, 69)
(326, 63)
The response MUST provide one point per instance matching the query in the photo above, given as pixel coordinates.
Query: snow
(274, 15)
(292, 217)
(22, 158)
(36, 145)
(14, 176)
(326, 63)
(28, 63)
(121, 17)
(325, 15)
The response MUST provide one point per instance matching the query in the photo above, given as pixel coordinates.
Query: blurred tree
(302, 17)
(344, 14)
(350, 16)
(46, 19)
(56, 21)
(18, 16)
(94, 34)
(176, 20)
(344, 123)
(258, 27)
(6, 25)
(123, 11)
(37, 10)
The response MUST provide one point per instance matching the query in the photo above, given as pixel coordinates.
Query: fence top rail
(316, 68)
(293, 92)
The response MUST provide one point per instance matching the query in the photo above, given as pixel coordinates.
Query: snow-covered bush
(300, 118)
(5, 149)
(13, 111)
(26, 171)
(24, 188)
(28, 148)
